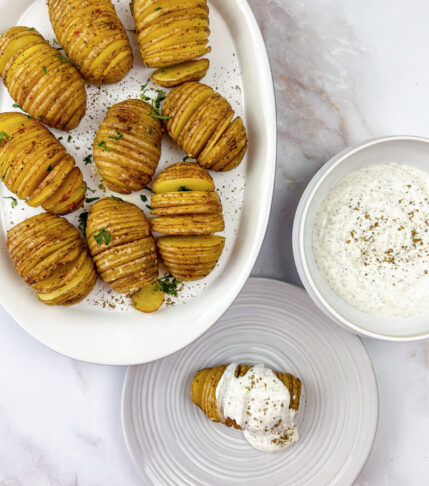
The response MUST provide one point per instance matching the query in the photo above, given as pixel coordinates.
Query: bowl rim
(298, 237)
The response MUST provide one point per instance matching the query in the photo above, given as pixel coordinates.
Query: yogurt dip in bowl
(361, 238)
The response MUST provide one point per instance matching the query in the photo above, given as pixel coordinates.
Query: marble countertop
(344, 72)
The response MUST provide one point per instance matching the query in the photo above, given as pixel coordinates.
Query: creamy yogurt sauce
(259, 403)
(371, 239)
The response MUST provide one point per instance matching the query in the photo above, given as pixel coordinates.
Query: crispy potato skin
(127, 146)
(171, 32)
(201, 123)
(36, 167)
(127, 259)
(48, 253)
(40, 80)
(93, 37)
(171, 76)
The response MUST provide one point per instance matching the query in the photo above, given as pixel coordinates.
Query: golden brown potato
(93, 37)
(149, 298)
(171, 32)
(127, 146)
(121, 244)
(181, 73)
(184, 211)
(183, 176)
(36, 167)
(48, 253)
(43, 82)
(201, 122)
(190, 257)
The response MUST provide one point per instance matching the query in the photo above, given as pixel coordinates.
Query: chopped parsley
(15, 105)
(143, 197)
(160, 97)
(116, 198)
(65, 60)
(83, 218)
(185, 158)
(5, 172)
(143, 95)
(149, 207)
(54, 41)
(69, 138)
(134, 31)
(42, 117)
(184, 189)
(14, 202)
(88, 188)
(160, 117)
(49, 168)
(91, 199)
(60, 138)
(164, 71)
(168, 284)
(102, 236)
(4, 135)
(150, 130)
(31, 29)
(148, 189)
(88, 159)
(119, 135)
(158, 8)
(45, 69)
(101, 186)
(103, 145)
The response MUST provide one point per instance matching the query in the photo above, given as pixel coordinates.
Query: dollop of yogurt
(258, 402)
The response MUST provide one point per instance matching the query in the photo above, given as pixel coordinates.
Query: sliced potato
(183, 176)
(189, 202)
(127, 146)
(181, 73)
(148, 299)
(93, 37)
(201, 122)
(195, 224)
(44, 83)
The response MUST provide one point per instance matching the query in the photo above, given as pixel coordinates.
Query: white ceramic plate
(104, 328)
(172, 442)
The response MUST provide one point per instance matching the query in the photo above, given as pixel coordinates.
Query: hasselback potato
(171, 32)
(40, 80)
(201, 122)
(48, 253)
(187, 208)
(186, 212)
(36, 167)
(120, 241)
(93, 37)
(127, 146)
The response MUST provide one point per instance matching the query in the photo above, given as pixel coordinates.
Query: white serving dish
(409, 150)
(92, 330)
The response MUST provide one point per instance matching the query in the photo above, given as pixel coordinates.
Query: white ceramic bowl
(409, 150)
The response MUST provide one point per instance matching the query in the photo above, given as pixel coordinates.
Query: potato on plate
(127, 146)
(149, 298)
(190, 257)
(202, 123)
(185, 211)
(36, 167)
(48, 253)
(41, 81)
(181, 73)
(171, 32)
(93, 38)
(120, 241)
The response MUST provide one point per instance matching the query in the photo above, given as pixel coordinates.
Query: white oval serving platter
(171, 441)
(104, 328)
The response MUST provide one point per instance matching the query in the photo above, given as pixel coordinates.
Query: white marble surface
(344, 71)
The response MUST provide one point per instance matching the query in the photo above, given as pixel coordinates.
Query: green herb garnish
(143, 93)
(149, 207)
(150, 130)
(14, 202)
(148, 189)
(160, 117)
(49, 168)
(31, 29)
(5, 172)
(102, 235)
(4, 135)
(54, 41)
(185, 158)
(119, 135)
(15, 105)
(83, 218)
(168, 284)
(91, 199)
(184, 189)
(160, 97)
(65, 60)
(60, 138)
(158, 8)
(134, 31)
(101, 186)
(88, 159)
(116, 198)
(143, 197)
(45, 70)
(103, 145)
(69, 138)
(88, 188)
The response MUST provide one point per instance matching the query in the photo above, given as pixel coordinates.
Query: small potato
(171, 32)
(181, 73)
(201, 122)
(48, 253)
(127, 146)
(120, 241)
(148, 299)
(93, 37)
(43, 82)
(36, 167)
